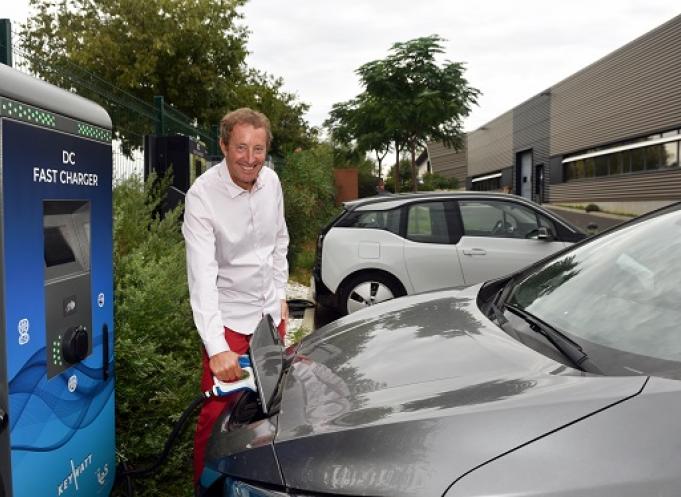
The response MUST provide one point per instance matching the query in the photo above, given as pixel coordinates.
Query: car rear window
(388, 220)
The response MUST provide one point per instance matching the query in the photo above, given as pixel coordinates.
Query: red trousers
(213, 407)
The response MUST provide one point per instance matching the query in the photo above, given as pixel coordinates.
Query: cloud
(512, 50)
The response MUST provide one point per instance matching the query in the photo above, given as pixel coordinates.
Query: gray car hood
(406, 397)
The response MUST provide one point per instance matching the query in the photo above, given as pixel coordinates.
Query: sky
(512, 50)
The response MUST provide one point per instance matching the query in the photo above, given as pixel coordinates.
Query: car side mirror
(543, 233)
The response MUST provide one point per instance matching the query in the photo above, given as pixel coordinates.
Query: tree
(408, 99)
(191, 52)
(264, 92)
(360, 121)
(421, 100)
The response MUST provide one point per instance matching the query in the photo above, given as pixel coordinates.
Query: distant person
(380, 187)
(236, 240)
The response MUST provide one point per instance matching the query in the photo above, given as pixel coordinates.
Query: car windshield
(618, 295)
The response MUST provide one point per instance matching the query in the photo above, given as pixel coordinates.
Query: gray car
(560, 380)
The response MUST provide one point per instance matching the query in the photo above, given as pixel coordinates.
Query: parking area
(583, 219)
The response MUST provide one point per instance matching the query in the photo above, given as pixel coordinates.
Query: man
(380, 187)
(236, 241)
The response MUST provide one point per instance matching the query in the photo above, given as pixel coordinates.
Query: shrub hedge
(157, 349)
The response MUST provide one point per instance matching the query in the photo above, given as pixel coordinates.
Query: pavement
(583, 219)
(307, 322)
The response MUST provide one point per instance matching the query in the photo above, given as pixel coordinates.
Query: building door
(539, 184)
(524, 174)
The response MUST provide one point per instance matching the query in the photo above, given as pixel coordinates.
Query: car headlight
(236, 488)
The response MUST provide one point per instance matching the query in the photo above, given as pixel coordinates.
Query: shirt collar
(234, 189)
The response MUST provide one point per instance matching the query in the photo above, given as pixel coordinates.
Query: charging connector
(247, 381)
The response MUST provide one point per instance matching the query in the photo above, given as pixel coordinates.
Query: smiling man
(236, 241)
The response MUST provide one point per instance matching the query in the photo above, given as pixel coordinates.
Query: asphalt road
(324, 315)
(583, 219)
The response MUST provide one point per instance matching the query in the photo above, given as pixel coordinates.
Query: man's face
(245, 154)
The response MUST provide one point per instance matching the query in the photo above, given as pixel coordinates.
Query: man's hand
(225, 366)
(284, 311)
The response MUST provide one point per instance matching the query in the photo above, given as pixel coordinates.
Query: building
(609, 134)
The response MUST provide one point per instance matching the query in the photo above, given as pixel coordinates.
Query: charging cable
(220, 389)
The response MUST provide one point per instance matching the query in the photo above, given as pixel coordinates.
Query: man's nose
(251, 156)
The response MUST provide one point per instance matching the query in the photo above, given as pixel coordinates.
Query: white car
(384, 247)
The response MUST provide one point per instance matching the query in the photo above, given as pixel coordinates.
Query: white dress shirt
(236, 253)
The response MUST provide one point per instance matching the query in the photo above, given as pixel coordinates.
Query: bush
(157, 347)
(405, 177)
(435, 181)
(309, 196)
(592, 208)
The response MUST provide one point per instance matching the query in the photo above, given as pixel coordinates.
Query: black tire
(367, 289)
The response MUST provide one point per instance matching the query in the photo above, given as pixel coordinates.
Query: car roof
(393, 200)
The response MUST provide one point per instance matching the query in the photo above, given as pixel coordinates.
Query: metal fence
(132, 117)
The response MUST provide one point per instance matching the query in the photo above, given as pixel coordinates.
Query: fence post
(215, 144)
(160, 115)
(6, 42)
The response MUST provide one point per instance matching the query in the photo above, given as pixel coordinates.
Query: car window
(620, 292)
(501, 219)
(383, 220)
(427, 223)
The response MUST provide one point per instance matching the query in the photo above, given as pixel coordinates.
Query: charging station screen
(57, 250)
(68, 313)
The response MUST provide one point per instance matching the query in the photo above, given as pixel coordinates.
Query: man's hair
(244, 116)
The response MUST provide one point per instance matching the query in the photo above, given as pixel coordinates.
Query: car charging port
(247, 410)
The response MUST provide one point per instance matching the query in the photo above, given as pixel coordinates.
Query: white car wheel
(368, 290)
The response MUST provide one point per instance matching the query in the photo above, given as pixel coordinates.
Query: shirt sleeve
(202, 272)
(280, 264)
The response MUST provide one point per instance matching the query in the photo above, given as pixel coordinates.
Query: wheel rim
(367, 294)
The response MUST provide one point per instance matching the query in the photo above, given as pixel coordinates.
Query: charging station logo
(73, 383)
(102, 474)
(23, 328)
(71, 480)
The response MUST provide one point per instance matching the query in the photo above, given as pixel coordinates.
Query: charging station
(57, 433)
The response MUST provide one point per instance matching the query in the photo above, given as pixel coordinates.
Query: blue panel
(61, 428)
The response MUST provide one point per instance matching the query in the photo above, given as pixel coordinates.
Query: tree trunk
(414, 179)
(397, 167)
(379, 159)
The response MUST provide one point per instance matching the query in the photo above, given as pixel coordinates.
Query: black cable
(127, 473)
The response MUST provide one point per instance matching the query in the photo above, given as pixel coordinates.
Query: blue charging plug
(247, 381)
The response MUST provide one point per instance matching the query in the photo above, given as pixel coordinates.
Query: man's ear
(223, 147)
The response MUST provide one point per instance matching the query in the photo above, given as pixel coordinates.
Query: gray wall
(531, 128)
(662, 185)
(632, 91)
(448, 162)
(490, 148)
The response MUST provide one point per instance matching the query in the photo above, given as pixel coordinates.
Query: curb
(308, 315)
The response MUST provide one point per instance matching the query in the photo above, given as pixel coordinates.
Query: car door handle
(474, 251)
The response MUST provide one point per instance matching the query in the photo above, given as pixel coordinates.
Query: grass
(298, 334)
(301, 268)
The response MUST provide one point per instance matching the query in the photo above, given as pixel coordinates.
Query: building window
(487, 185)
(657, 156)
